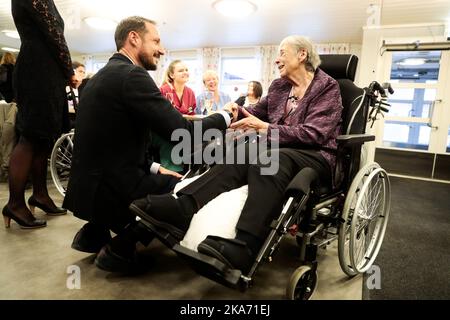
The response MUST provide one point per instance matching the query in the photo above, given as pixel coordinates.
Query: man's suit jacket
(119, 108)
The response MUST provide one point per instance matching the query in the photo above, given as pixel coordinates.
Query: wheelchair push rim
(61, 162)
(347, 216)
(352, 259)
(369, 220)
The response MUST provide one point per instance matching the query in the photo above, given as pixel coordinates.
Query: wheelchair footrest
(164, 236)
(212, 268)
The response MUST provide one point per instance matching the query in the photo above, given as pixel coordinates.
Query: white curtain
(158, 75)
(266, 56)
(333, 48)
(210, 59)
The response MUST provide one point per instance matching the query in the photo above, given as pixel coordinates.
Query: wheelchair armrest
(346, 140)
(302, 182)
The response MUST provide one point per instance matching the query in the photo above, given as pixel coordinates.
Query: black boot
(165, 212)
(91, 238)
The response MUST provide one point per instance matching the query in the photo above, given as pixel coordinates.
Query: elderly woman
(254, 94)
(303, 108)
(212, 99)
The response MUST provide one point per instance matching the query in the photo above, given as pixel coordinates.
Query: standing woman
(41, 73)
(8, 61)
(175, 90)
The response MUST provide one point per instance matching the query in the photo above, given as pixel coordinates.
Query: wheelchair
(61, 155)
(61, 161)
(355, 212)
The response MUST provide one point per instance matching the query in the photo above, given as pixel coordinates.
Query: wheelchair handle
(376, 86)
(389, 88)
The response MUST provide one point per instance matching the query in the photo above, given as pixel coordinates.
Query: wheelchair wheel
(365, 216)
(302, 284)
(61, 161)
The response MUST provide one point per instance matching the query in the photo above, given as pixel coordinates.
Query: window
(195, 75)
(448, 140)
(414, 76)
(97, 66)
(236, 71)
(416, 66)
(193, 63)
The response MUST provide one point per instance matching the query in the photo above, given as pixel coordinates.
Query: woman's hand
(250, 122)
(165, 171)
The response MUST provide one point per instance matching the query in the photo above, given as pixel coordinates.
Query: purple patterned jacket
(314, 124)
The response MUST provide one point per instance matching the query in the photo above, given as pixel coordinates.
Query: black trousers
(265, 192)
(111, 208)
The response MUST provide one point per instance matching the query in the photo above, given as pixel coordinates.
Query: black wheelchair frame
(355, 213)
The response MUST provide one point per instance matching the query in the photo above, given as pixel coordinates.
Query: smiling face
(150, 49)
(180, 73)
(211, 81)
(289, 61)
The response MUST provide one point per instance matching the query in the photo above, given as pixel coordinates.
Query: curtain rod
(415, 46)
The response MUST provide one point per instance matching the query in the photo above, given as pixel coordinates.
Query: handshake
(248, 122)
(232, 108)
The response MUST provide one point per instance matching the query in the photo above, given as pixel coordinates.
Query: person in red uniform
(175, 90)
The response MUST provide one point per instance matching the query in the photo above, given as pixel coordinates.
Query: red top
(186, 105)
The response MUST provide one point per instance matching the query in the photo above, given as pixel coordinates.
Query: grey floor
(39, 264)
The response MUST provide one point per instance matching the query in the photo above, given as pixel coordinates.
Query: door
(419, 117)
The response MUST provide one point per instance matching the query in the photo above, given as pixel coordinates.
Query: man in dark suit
(120, 108)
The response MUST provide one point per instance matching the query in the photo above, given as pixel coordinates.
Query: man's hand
(233, 108)
(250, 122)
(169, 172)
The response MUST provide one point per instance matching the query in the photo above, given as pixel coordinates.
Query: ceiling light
(101, 23)
(234, 8)
(11, 33)
(10, 49)
(412, 62)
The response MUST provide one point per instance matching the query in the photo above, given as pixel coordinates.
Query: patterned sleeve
(259, 110)
(46, 16)
(321, 120)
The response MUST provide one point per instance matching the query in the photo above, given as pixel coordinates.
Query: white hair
(301, 42)
(208, 73)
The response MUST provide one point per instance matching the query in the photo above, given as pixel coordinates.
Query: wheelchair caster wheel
(302, 284)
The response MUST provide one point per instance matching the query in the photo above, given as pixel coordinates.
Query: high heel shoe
(33, 224)
(57, 211)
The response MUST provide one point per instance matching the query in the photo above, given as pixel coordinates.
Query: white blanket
(218, 217)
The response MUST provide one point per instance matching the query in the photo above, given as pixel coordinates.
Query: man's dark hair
(127, 25)
(76, 64)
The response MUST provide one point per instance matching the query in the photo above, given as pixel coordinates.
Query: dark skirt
(41, 98)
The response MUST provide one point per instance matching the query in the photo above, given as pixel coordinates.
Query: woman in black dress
(42, 71)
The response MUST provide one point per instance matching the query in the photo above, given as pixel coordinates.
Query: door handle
(431, 112)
